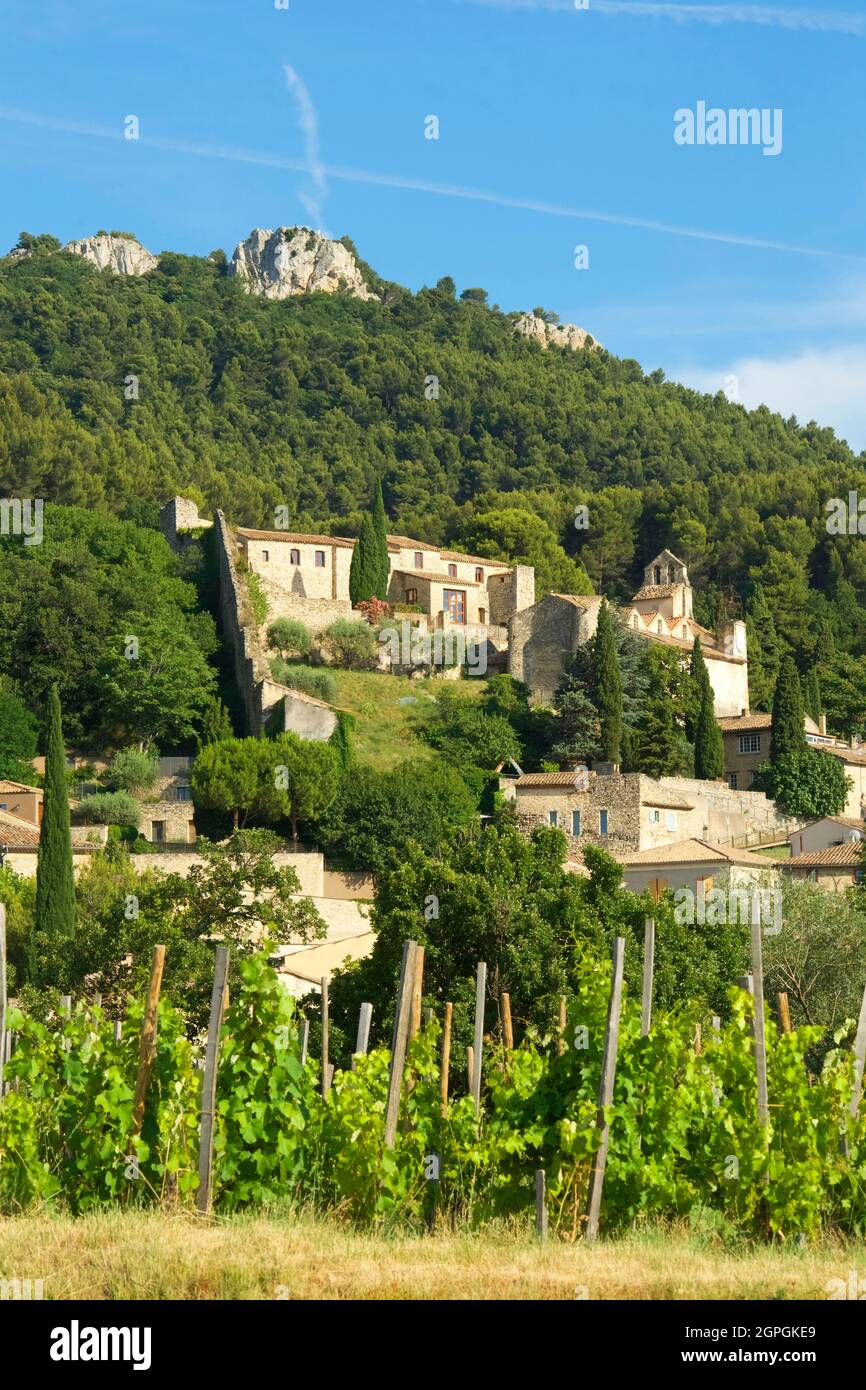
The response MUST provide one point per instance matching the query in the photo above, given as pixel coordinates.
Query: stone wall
(308, 718)
(727, 815)
(539, 639)
(308, 865)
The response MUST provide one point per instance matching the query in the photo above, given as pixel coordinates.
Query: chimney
(743, 713)
(822, 723)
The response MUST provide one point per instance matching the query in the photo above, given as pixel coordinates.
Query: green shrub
(289, 637)
(110, 808)
(307, 679)
(352, 645)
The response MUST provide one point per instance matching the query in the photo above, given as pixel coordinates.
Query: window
(602, 822)
(419, 559)
(294, 557)
(482, 615)
(659, 625)
(685, 631)
(4, 806)
(634, 621)
(454, 604)
(671, 820)
(479, 575)
(184, 791)
(266, 555)
(671, 574)
(411, 595)
(553, 817)
(575, 822)
(452, 571)
(320, 559)
(732, 781)
(654, 816)
(157, 831)
(657, 574)
(750, 743)
(657, 886)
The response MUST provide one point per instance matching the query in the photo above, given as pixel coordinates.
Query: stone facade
(620, 813)
(307, 577)
(179, 521)
(747, 744)
(167, 812)
(826, 833)
(541, 638)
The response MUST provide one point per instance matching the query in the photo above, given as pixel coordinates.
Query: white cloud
(309, 122)
(826, 384)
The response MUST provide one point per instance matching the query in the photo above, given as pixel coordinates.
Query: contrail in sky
(767, 16)
(412, 185)
(309, 121)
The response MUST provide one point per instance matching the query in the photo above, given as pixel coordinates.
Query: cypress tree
(608, 686)
(812, 694)
(698, 680)
(55, 894)
(364, 571)
(654, 748)
(786, 729)
(709, 744)
(764, 650)
(380, 527)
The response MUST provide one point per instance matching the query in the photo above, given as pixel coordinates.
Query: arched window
(659, 625)
(657, 575)
(635, 621)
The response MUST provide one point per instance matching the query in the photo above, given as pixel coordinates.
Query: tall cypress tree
(786, 729)
(380, 527)
(607, 691)
(812, 694)
(709, 745)
(764, 650)
(365, 567)
(55, 894)
(655, 747)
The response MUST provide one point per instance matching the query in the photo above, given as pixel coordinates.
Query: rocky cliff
(560, 334)
(296, 260)
(124, 255)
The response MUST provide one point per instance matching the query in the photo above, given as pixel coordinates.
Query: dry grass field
(140, 1255)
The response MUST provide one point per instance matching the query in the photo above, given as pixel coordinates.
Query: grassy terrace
(385, 730)
(136, 1255)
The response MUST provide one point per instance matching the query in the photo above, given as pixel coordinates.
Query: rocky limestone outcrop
(560, 334)
(296, 260)
(123, 255)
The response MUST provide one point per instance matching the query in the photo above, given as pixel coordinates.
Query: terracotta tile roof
(836, 856)
(695, 851)
(841, 820)
(738, 723)
(856, 756)
(294, 537)
(581, 601)
(440, 578)
(7, 786)
(656, 591)
(476, 560)
(547, 779)
(16, 833)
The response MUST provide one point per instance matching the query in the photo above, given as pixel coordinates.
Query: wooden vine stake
(507, 1029)
(326, 1028)
(605, 1090)
(147, 1039)
(470, 1068)
(784, 1012)
(560, 1046)
(649, 955)
(417, 992)
(208, 1089)
(401, 1034)
(480, 995)
(859, 1062)
(305, 1041)
(540, 1204)
(362, 1042)
(3, 999)
(446, 1059)
(759, 1024)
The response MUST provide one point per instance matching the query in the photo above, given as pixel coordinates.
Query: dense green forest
(306, 403)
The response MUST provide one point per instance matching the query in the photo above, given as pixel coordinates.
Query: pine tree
(380, 527)
(764, 648)
(55, 894)
(786, 729)
(812, 694)
(699, 679)
(365, 569)
(607, 693)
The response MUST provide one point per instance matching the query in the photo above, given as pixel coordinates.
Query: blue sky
(256, 116)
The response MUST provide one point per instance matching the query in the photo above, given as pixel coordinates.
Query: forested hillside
(304, 403)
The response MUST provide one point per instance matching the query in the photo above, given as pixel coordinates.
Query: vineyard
(99, 1113)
